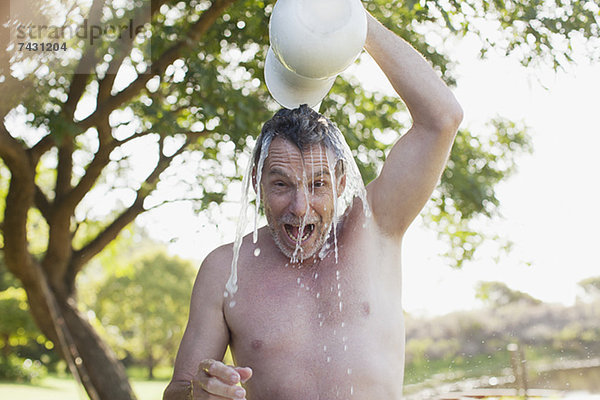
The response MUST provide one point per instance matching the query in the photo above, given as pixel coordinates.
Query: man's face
(298, 197)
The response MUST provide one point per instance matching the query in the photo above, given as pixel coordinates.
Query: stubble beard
(298, 254)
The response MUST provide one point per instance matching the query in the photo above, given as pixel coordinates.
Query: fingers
(244, 372)
(217, 379)
(221, 371)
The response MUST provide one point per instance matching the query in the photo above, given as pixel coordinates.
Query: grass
(456, 368)
(53, 387)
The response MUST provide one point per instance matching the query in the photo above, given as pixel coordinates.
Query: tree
(147, 329)
(16, 325)
(70, 120)
(498, 294)
(591, 286)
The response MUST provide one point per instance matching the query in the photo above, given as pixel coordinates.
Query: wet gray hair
(303, 127)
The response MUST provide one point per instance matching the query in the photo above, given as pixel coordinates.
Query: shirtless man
(321, 329)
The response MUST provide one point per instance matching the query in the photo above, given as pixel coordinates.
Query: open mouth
(293, 232)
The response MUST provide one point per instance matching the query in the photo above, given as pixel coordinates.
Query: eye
(319, 184)
(279, 183)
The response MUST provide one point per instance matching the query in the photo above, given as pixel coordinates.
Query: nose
(300, 202)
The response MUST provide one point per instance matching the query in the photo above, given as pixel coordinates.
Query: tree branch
(93, 170)
(17, 203)
(162, 203)
(42, 146)
(64, 169)
(12, 152)
(122, 50)
(42, 203)
(83, 255)
(159, 66)
(82, 72)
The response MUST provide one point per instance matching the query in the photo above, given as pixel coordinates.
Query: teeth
(308, 229)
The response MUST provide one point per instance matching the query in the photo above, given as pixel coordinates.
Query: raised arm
(415, 163)
(198, 368)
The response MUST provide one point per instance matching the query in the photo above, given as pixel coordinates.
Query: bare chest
(292, 325)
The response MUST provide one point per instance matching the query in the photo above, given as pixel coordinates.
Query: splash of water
(331, 167)
(231, 285)
(261, 162)
(354, 188)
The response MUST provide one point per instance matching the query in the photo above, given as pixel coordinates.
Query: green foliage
(498, 294)
(537, 31)
(474, 343)
(467, 190)
(591, 286)
(16, 325)
(215, 89)
(180, 134)
(21, 343)
(142, 306)
(15, 369)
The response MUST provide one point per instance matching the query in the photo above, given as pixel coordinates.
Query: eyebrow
(280, 172)
(277, 171)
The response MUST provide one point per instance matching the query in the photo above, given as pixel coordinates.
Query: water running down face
(298, 197)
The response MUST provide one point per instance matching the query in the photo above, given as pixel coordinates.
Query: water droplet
(257, 252)
(343, 324)
(232, 304)
(318, 295)
(328, 359)
(340, 306)
(324, 347)
(331, 165)
(349, 371)
(351, 390)
(345, 347)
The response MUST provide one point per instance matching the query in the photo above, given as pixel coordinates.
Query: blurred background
(121, 162)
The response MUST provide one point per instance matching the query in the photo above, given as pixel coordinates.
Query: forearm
(178, 390)
(430, 102)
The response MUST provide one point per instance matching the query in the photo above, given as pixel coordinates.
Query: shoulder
(213, 273)
(218, 257)
(217, 264)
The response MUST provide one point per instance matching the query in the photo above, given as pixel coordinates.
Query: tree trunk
(104, 373)
(150, 364)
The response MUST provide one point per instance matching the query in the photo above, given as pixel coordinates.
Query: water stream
(337, 149)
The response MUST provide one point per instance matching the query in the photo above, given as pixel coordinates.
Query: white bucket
(312, 41)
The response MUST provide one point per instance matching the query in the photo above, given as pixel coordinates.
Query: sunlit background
(548, 206)
(548, 213)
